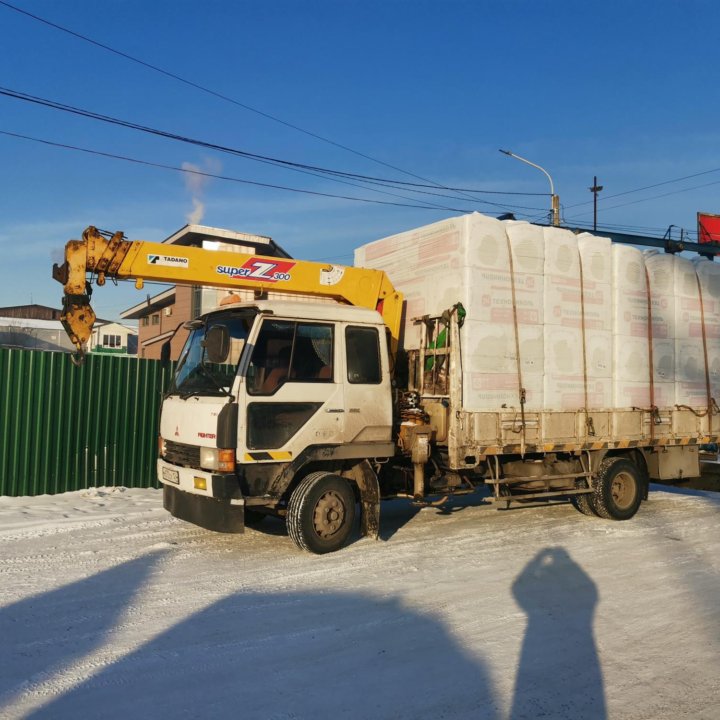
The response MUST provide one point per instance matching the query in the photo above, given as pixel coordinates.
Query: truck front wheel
(618, 489)
(320, 513)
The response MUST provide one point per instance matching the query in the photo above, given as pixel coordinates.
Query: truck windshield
(196, 374)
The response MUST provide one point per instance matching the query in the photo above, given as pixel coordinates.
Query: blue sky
(626, 91)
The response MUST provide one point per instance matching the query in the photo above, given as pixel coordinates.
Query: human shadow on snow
(304, 655)
(45, 633)
(559, 674)
(291, 655)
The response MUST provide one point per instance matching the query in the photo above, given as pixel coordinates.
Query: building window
(146, 321)
(156, 319)
(195, 301)
(111, 341)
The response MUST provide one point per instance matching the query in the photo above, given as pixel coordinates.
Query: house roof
(109, 326)
(195, 234)
(158, 338)
(30, 323)
(151, 305)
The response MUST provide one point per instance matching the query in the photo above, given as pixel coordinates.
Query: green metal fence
(68, 428)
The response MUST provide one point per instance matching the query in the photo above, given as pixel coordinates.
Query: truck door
(368, 398)
(293, 395)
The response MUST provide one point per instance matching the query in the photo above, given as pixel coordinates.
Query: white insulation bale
(631, 395)
(599, 353)
(690, 386)
(688, 315)
(661, 283)
(690, 378)
(708, 273)
(630, 301)
(561, 254)
(582, 309)
(485, 243)
(714, 370)
(493, 392)
(631, 360)
(664, 361)
(527, 247)
(596, 258)
(427, 265)
(564, 377)
(492, 347)
(491, 298)
(562, 292)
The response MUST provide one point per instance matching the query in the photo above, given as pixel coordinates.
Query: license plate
(170, 475)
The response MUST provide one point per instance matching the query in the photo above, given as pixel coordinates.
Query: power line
(656, 197)
(276, 119)
(18, 95)
(197, 86)
(337, 176)
(221, 96)
(223, 177)
(646, 187)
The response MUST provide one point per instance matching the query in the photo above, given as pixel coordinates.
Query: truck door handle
(335, 410)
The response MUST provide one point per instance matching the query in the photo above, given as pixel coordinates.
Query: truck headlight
(217, 459)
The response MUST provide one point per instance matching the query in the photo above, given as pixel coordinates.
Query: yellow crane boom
(102, 256)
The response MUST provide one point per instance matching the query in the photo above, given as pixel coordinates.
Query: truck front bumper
(218, 514)
(212, 501)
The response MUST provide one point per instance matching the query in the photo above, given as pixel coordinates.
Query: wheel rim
(623, 490)
(329, 515)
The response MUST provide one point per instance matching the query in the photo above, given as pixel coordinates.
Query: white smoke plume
(196, 185)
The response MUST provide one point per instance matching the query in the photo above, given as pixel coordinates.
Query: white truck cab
(265, 395)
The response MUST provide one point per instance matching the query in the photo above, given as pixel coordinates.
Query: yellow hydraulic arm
(102, 255)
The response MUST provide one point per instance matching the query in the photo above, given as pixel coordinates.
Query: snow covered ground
(110, 608)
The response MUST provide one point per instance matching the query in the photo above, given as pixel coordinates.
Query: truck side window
(270, 362)
(288, 351)
(312, 354)
(362, 345)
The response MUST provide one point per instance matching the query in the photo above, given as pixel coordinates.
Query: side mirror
(165, 352)
(217, 344)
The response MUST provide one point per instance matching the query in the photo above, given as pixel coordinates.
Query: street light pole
(555, 198)
(595, 189)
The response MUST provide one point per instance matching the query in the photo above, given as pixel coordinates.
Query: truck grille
(181, 454)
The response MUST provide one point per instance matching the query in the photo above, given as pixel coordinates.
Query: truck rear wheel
(618, 489)
(321, 513)
(583, 503)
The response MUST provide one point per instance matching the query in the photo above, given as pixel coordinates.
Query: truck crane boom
(104, 255)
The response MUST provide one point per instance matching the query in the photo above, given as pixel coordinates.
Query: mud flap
(367, 483)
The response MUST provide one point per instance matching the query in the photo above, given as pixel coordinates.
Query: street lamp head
(555, 199)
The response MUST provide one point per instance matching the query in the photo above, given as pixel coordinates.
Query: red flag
(708, 228)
